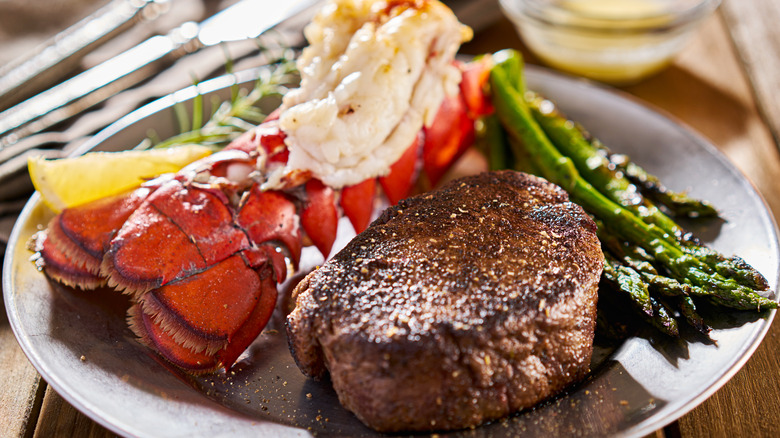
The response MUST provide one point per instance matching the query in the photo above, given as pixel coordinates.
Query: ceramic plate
(80, 344)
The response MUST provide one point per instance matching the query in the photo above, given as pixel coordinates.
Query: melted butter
(606, 12)
(607, 40)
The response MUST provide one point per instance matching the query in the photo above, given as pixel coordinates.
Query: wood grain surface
(725, 85)
(756, 35)
(60, 419)
(21, 387)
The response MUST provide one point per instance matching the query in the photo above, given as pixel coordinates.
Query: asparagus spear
(517, 119)
(679, 203)
(628, 281)
(688, 310)
(733, 267)
(665, 321)
(498, 153)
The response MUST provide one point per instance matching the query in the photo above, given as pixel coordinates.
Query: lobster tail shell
(177, 232)
(154, 337)
(203, 273)
(198, 338)
(76, 239)
(65, 268)
(320, 217)
(198, 253)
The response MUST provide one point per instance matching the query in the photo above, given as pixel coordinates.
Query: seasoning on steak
(455, 307)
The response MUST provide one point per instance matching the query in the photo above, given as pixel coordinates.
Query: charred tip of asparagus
(680, 204)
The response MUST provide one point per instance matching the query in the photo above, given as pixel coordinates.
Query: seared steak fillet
(455, 307)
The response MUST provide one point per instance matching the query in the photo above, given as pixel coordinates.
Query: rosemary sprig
(235, 116)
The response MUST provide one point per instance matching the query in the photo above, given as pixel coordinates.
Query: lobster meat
(200, 252)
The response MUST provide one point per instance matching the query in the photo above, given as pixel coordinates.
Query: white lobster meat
(375, 72)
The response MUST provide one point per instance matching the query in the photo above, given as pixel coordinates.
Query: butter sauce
(614, 41)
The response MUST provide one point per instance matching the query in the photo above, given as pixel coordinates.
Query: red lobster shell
(200, 252)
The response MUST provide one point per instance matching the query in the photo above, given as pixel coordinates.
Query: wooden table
(724, 85)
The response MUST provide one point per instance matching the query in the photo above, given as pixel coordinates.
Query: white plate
(643, 385)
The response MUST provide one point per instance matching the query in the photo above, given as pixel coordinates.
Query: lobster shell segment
(320, 217)
(92, 226)
(60, 266)
(258, 255)
(76, 239)
(451, 133)
(403, 173)
(257, 320)
(162, 329)
(271, 216)
(211, 305)
(154, 337)
(357, 202)
(177, 232)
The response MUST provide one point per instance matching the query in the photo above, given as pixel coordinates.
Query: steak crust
(455, 307)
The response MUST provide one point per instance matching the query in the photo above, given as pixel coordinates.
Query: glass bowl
(614, 41)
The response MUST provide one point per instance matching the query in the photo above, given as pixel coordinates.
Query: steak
(454, 307)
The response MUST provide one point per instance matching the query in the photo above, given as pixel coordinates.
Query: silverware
(245, 19)
(60, 55)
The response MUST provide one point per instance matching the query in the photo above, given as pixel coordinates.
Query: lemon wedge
(67, 182)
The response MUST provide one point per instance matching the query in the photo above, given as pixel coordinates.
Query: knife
(23, 77)
(243, 20)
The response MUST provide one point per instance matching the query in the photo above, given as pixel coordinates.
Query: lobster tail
(154, 337)
(61, 266)
(207, 320)
(178, 231)
(199, 254)
(75, 241)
